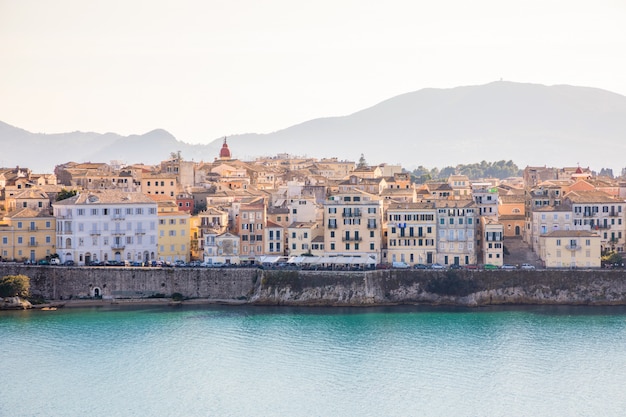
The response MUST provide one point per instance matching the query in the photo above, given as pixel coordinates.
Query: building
(174, 233)
(411, 233)
(251, 222)
(571, 249)
(222, 248)
(547, 219)
(300, 237)
(456, 228)
(596, 210)
(352, 226)
(27, 234)
(492, 236)
(102, 225)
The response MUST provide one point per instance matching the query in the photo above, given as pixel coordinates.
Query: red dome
(224, 152)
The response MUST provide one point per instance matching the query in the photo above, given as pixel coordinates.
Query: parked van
(400, 265)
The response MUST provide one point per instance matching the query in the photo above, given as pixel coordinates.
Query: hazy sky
(205, 69)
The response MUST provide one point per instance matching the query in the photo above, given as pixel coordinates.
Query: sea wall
(279, 287)
(61, 283)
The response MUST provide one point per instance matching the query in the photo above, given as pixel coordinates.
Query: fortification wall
(470, 288)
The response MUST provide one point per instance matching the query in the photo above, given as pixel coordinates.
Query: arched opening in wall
(68, 243)
(152, 256)
(106, 257)
(87, 258)
(68, 256)
(146, 256)
(517, 231)
(118, 256)
(96, 292)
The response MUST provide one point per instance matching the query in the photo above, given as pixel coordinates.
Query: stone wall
(470, 288)
(60, 283)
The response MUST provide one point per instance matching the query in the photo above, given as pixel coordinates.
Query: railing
(33, 244)
(95, 232)
(33, 229)
(118, 217)
(573, 247)
(118, 246)
(351, 214)
(371, 226)
(332, 226)
(352, 239)
(140, 232)
(118, 233)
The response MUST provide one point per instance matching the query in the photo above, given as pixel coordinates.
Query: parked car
(508, 266)
(420, 266)
(383, 266)
(43, 262)
(69, 262)
(490, 267)
(455, 266)
(437, 266)
(400, 265)
(471, 266)
(528, 266)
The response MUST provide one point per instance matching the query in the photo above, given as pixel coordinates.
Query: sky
(207, 69)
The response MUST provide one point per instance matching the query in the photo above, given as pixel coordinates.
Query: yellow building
(159, 184)
(353, 226)
(174, 241)
(27, 234)
(570, 249)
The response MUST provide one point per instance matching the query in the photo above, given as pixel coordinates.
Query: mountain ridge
(532, 124)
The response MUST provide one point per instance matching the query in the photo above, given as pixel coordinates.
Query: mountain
(41, 152)
(529, 123)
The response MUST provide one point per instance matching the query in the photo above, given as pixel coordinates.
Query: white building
(102, 225)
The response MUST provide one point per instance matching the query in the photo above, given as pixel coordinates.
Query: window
(442, 221)
(332, 246)
(558, 242)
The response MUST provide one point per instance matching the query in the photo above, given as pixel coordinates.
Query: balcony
(95, 233)
(140, 232)
(371, 226)
(352, 239)
(332, 226)
(33, 229)
(118, 233)
(351, 214)
(118, 217)
(33, 244)
(614, 214)
(573, 247)
(118, 246)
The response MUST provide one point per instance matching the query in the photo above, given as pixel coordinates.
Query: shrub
(177, 297)
(15, 285)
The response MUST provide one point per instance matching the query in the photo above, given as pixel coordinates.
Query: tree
(176, 155)
(362, 162)
(64, 194)
(15, 286)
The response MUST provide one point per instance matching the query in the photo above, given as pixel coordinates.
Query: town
(299, 212)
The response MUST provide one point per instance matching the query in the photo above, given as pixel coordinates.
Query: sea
(281, 361)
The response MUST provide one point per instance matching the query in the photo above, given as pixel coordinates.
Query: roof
(571, 233)
(94, 197)
(28, 213)
(579, 197)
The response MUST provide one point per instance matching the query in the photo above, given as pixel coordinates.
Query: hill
(530, 124)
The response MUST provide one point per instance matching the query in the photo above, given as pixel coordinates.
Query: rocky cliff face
(451, 288)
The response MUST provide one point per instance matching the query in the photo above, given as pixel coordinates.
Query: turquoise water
(261, 361)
